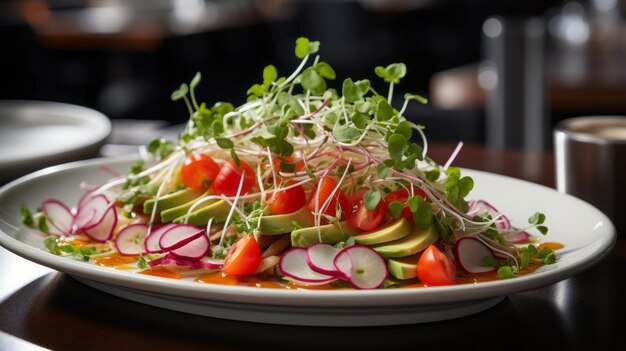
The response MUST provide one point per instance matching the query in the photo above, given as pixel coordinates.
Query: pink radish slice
(480, 207)
(320, 258)
(470, 253)
(103, 229)
(58, 215)
(151, 244)
(130, 240)
(367, 270)
(171, 259)
(518, 238)
(195, 249)
(179, 236)
(293, 264)
(91, 212)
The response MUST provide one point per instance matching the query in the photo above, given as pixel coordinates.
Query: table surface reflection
(42, 307)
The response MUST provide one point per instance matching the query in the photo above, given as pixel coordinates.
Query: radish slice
(320, 258)
(469, 254)
(293, 264)
(480, 207)
(195, 249)
(91, 212)
(151, 243)
(517, 238)
(179, 236)
(59, 216)
(368, 270)
(130, 240)
(343, 266)
(103, 229)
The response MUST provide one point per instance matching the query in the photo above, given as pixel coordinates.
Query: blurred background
(500, 73)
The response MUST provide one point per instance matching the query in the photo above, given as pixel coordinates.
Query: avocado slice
(217, 210)
(413, 243)
(172, 213)
(392, 231)
(330, 234)
(403, 267)
(280, 224)
(171, 200)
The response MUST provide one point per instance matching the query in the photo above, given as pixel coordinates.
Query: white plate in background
(37, 134)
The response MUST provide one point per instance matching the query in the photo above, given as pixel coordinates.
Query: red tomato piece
(360, 217)
(199, 171)
(326, 186)
(435, 268)
(243, 258)
(401, 196)
(227, 180)
(298, 166)
(287, 201)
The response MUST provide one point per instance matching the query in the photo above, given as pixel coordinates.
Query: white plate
(37, 134)
(587, 234)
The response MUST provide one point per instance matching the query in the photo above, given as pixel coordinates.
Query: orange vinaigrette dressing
(114, 260)
(160, 271)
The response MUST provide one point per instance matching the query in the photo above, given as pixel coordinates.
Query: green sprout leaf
(418, 98)
(27, 217)
(395, 209)
(392, 73)
(325, 70)
(305, 47)
(180, 92)
(371, 199)
(195, 81)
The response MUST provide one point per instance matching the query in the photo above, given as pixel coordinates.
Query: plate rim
(215, 292)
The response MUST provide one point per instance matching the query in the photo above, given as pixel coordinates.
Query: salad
(301, 186)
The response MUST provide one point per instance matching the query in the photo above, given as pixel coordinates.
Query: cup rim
(570, 127)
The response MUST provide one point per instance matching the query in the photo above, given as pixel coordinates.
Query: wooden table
(50, 309)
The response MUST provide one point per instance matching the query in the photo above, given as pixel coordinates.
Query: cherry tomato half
(435, 268)
(199, 171)
(287, 201)
(360, 217)
(243, 258)
(402, 196)
(227, 180)
(326, 186)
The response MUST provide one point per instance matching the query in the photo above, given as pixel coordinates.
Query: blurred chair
(513, 76)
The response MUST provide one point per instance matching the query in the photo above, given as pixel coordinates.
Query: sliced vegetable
(227, 180)
(130, 240)
(102, 230)
(320, 258)
(435, 268)
(59, 215)
(199, 171)
(195, 249)
(293, 264)
(179, 236)
(288, 200)
(326, 187)
(481, 208)
(470, 254)
(243, 257)
(360, 217)
(367, 269)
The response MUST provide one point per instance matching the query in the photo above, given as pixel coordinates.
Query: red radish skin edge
(64, 225)
(313, 259)
(186, 233)
(374, 255)
(171, 259)
(153, 238)
(101, 231)
(132, 231)
(469, 252)
(195, 249)
(291, 272)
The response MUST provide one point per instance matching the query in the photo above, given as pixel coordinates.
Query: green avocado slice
(217, 210)
(286, 223)
(330, 234)
(392, 231)
(403, 267)
(172, 213)
(171, 200)
(411, 244)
